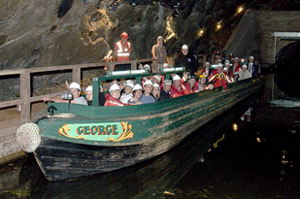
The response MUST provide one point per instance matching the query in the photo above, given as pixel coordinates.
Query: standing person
(122, 51)
(252, 67)
(159, 53)
(186, 59)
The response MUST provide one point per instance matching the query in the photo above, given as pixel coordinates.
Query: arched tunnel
(287, 75)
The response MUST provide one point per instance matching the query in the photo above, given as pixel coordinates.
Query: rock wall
(253, 35)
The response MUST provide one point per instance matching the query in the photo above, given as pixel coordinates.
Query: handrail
(25, 81)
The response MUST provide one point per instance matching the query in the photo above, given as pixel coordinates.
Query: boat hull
(63, 159)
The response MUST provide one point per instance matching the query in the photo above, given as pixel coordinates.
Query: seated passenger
(165, 91)
(217, 77)
(156, 91)
(228, 78)
(89, 95)
(202, 84)
(112, 99)
(176, 90)
(75, 89)
(236, 65)
(147, 97)
(244, 74)
(204, 71)
(137, 94)
(229, 71)
(128, 86)
(191, 86)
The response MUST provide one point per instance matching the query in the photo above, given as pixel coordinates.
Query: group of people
(156, 88)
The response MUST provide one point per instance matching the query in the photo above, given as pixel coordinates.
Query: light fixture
(239, 10)
(219, 25)
(200, 32)
(235, 127)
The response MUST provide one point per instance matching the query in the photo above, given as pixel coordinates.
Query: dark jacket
(188, 61)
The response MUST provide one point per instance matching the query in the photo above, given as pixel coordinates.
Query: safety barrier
(25, 76)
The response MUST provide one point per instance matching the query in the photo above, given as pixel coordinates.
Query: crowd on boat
(154, 88)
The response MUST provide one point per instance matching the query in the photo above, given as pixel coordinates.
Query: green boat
(78, 140)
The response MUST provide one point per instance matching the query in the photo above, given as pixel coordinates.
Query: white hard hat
(225, 69)
(147, 66)
(207, 63)
(244, 66)
(75, 85)
(176, 77)
(166, 65)
(147, 82)
(236, 58)
(137, 87)
(160, 37)
(114, 87)
(251, 57)
(89, 88)
(129, 83)
(184, 46)
(227, 61)
(220, 65)
(156, 85)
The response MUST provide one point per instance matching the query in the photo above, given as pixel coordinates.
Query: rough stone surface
(253, 35)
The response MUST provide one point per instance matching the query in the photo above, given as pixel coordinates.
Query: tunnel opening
(287, 76)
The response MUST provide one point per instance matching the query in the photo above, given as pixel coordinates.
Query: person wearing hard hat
(204, 71)
(191, 86)
(236, 65)
(244, 73)
(156, 91)
(112, 99)
(176, 89)
(252, 67)
(128, 88)
(147, 97)
(165, 91)
(218, 78)
(159, 53)
(122, 51)
(186, 59)
(75, 89)
(137, 94)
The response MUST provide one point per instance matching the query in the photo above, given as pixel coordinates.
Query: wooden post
(110, 66)
(133, 65)
(77, 75)
(204, 59)
(25, 97)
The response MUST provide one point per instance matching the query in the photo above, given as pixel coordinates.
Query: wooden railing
(25, 76)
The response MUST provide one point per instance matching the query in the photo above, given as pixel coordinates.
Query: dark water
(255, 161)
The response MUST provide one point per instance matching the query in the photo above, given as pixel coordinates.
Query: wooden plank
(10, 72)
(10, 103)
(25, 95)
(40, 97)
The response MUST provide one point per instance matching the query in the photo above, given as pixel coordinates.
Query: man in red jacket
(218, 77)
(191, 86)
(122, 51)
(112, 99)
(176, 90)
